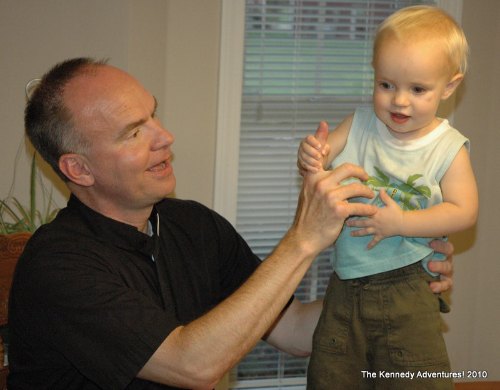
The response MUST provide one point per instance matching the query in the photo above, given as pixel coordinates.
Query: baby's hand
(386, 222)
(312, 151)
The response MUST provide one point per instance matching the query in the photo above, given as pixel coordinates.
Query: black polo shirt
(89, 306)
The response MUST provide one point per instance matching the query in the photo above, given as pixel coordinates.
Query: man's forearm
(199, 353)
(294, 329)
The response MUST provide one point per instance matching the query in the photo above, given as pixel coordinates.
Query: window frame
(229, 101)
(230, 89)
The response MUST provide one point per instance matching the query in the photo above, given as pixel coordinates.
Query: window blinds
(304, 61)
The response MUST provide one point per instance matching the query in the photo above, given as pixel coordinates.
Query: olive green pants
(380, 332)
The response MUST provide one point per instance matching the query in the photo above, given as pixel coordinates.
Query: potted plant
(16, 218)
(17, 224)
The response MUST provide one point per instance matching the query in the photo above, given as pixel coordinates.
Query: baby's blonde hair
(426, 22)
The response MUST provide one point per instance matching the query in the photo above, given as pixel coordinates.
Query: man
(127, 289)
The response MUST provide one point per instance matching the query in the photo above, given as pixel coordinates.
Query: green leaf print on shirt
(409, 195)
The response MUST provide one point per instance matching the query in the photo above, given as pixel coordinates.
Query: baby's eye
(419, 90)
(385, 85)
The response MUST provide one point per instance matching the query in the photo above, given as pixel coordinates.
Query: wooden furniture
(11, 247)
(477, 386)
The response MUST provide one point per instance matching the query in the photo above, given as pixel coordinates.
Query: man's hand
(445, 268)
(324, 205)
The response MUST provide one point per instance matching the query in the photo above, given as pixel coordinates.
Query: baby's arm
(314, 156)
(457, 212)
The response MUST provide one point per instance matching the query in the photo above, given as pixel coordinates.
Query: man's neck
(137, 217)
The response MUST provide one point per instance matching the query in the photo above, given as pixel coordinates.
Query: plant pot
(11, 247)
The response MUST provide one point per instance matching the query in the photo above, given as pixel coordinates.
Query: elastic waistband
(395, 274)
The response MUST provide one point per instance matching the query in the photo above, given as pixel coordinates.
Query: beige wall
(473, 338)
(172, 47)
(36, 34)
(145, 37)
(193, 29)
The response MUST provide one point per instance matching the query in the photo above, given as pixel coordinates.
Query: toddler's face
(410, 81)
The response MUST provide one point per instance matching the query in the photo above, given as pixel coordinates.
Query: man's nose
(162, 138)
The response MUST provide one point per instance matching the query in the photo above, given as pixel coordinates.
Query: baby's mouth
(399, 118)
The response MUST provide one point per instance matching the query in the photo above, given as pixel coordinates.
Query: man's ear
(76, 169)
(452, 86)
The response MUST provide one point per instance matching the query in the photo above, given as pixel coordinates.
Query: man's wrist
(300, 246)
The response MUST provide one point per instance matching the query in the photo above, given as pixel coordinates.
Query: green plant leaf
(14, 217)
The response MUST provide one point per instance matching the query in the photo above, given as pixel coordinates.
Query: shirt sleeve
(205, 258)
(104, 327)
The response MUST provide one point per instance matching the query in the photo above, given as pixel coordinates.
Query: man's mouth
(159, 167)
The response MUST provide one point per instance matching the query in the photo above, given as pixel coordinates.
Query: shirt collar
(117, 233)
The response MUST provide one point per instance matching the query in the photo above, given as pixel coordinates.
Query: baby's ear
(76, 169)
(452, 86)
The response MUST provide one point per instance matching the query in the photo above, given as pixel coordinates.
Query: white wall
(172, 47)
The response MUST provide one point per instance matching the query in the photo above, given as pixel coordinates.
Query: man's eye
(135, 133)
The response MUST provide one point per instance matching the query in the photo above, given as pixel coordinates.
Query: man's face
(130, 156)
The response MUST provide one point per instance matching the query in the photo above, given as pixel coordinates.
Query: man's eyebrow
(133, 125)
(155, 106)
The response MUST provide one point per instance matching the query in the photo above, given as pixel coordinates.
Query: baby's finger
(362, 232)
(313, 142)
(373, 242)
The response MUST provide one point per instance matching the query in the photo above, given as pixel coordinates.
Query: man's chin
(169, 190)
